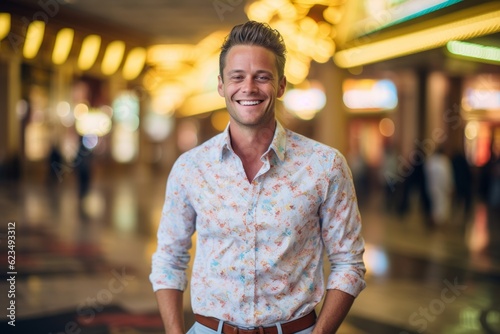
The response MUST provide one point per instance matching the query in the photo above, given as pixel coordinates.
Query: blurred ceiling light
(134, 63)
(90, 141)
(423, 39)
(324, 49)
(474, 50)
(62, 47)
(471, 130)
(5, 22)
(333, 14)
(113, 57)
(288, 12)
(34, 38)
(168, 98)
(202, 103)
(94, 123)
(170, 55)
(260, 11)
(296, 70)
(307, 38)
(212, 42)
(88, 54)
(308, 25)
(125, 144)
(63, 108)
(386, 127)
(81, 110)
(305, 103)
(369, 94)
(158, 127)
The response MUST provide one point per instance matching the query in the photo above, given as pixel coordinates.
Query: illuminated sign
(379, 14)
(474, 50)
(482, 93)
(304, 103)
(369, 95)
(481, 99)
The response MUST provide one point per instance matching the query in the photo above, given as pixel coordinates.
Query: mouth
(249, 102)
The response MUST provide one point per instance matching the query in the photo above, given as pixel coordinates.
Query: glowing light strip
(406, 11)
(202, 103)
(473, 50)
(422, 40)
(5, 22)
(62, 47)
(88, 54)
(34, 38)
(134, 63)
(113, 57)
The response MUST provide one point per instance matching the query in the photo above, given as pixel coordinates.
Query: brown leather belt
(290, 327)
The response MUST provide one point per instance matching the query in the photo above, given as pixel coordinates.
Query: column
(10, 127)
(331, 122)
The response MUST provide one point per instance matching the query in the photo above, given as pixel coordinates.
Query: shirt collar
(278, 143)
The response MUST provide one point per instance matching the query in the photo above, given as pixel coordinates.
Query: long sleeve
(177, 225)
(341, 231)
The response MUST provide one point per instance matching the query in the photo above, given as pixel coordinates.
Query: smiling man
(265, 203)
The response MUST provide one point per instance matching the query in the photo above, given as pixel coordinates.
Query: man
(265, 202)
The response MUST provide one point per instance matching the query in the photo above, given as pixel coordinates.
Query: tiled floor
(82, 267)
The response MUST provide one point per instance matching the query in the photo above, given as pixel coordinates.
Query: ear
(281, 86)
(220, 86)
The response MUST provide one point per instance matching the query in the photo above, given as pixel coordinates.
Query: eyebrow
(242, 71)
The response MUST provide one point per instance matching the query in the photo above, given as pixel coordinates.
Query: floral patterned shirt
(259, 244)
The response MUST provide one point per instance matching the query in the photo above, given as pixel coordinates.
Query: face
(250, 85)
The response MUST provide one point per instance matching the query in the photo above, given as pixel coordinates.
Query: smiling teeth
(249, 103)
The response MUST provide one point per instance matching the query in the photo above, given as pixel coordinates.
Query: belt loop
(278, 326)
(221, 325)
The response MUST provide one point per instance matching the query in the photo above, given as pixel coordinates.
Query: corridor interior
(82, 264)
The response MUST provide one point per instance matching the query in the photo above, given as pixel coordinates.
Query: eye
(236, 77)
(263, 78)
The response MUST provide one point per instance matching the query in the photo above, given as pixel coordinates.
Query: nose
(249, 86)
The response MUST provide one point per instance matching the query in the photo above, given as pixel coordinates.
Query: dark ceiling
(162, 21)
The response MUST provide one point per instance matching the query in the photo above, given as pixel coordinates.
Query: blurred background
(99, 97)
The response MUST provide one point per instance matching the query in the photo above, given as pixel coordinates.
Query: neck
(251, 143)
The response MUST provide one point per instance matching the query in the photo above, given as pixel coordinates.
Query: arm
(170, 305)
(344, 245)
(335, 308)
(169, 262)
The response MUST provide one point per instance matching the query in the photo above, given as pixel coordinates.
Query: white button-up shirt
(259, 251)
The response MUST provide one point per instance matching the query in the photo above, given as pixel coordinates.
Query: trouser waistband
(290, 327)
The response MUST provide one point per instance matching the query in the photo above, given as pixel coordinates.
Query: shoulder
(208, 151)
(301, 146)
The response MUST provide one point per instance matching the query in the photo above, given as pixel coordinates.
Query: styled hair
(258, 34)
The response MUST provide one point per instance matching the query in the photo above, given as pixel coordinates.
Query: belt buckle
(253, 330)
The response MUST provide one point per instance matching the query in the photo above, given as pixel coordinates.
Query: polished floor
(81, 266)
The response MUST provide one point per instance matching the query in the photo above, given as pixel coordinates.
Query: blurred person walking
(491, 176)
(265, 202)
(439, 178)
(388, 169)
(82, 164)
(462, 176)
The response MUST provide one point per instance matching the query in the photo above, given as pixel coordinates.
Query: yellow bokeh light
(134, 64)
(34, 38)
(219, 120)
(62, 47)
(113, 57)
(81, 110)
(386, 127)
(5, 22)
(88, 54)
